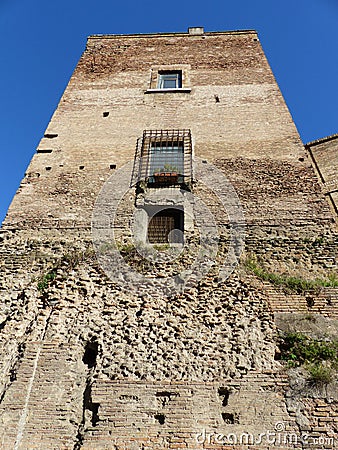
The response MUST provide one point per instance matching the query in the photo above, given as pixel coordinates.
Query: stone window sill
(163, 91)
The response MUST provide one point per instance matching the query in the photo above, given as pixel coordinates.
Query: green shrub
(298, 348)
(319, 357)
(45, 280)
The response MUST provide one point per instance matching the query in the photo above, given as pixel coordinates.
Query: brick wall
(86, 362)
(323, 153)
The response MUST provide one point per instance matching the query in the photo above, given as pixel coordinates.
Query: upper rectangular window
(169, 79)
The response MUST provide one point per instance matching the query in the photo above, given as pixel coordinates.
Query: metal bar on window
(163, 148)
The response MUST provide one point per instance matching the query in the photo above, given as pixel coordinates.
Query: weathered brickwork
(249, 120)
(88, 362)
(323, 153)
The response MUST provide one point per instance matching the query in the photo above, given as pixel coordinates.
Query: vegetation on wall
(67, 262)
(289, 283)
(319, 357)
(45, 280)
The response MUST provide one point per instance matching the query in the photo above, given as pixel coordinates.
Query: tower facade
(149, 253)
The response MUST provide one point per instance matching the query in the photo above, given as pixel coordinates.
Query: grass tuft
(296, 284)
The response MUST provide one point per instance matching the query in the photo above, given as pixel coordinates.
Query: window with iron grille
(163, 157)
(166, 160)
(166, 227)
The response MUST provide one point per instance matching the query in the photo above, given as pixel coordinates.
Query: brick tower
(169, 233)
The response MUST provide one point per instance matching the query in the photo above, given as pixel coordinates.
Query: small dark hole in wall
(216, 98)
(105, 114)
(90, 406)
(90, 354)
(278, 355)
(12, 375)
(48, 168)
(228, 418)
(81, 167)
(112, 166)
(165, 394)
(224, 392)
(310, 302)
(160, 418)
(44, 150)
(51, 135)
(95, 411)
(301, 159)
(129, 398)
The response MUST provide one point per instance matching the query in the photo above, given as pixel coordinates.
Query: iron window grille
(163, 157)
(166, 227)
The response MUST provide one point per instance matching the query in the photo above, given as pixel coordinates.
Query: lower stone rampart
(86, 365)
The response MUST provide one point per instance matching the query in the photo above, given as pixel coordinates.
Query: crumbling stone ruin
(169, 273)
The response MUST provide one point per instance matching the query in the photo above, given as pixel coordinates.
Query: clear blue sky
(42, 40)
